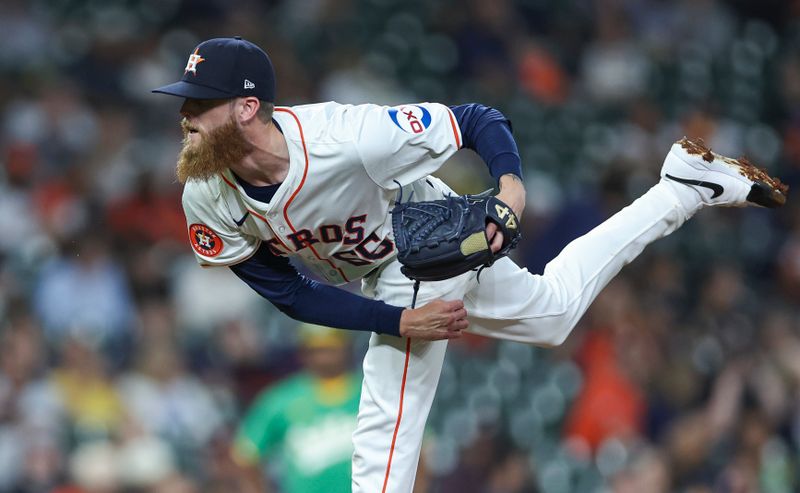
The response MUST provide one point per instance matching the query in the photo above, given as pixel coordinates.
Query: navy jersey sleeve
(488, 132)
(303, 299)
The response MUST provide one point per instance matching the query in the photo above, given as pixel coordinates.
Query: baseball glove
(440, 239)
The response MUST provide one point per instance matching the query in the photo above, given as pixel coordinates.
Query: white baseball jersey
(328, 212)
(331, 213)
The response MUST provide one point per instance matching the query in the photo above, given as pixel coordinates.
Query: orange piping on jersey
(302, 182)
(256, 214)
(399, 415)
(455, 128)
(225, 179)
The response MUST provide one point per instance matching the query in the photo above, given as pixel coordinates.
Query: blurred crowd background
(126, 368)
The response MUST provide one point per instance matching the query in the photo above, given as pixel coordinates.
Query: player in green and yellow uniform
(302, 427)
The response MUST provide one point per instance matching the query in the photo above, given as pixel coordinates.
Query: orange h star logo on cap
(194, 59)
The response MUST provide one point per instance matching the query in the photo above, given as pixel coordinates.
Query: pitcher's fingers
(454, 305)
(497, 242)
(460, 314)
(491, 230)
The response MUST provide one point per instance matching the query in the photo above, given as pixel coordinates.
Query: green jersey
(306, 424)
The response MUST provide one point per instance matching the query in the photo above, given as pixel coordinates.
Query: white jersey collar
(298, 163)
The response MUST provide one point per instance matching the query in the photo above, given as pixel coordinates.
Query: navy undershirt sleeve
(488, 132)
(303, 299)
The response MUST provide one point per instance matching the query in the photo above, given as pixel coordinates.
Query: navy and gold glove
(440, 239)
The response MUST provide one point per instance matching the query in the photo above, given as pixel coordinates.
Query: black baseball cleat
(721, 180)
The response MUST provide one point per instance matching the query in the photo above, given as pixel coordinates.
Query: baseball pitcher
(317, 184)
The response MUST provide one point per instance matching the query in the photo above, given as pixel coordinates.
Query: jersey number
(361, 256)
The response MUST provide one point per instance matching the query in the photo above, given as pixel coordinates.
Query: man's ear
(246, 109)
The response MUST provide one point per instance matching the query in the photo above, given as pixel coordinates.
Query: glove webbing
(428, 227)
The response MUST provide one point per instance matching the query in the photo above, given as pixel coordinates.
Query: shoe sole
(766, 191)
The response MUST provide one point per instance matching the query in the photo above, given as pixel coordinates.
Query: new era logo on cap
(217, 67)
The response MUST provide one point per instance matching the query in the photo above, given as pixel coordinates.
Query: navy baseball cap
(223, 68)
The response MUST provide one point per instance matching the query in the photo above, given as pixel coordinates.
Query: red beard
(215, 151)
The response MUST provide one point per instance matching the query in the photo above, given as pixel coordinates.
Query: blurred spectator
(144, 461)
(131, 217)
(648, 471)
(484, 45)
(541, 76)
(85, 295)
(302, 427)
(614, 66)
(488, 465)
(162, 398)
(31, 413)
(18, 217)
(93, 468)
(611, 405)
(83, 382)
(207, 298)
(511, 475)
(726, 314)
(244, 355)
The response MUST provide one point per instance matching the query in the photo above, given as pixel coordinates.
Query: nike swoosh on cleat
(241, 221)
(714, 187)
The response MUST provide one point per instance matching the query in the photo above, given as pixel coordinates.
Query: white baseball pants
(401, 375)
